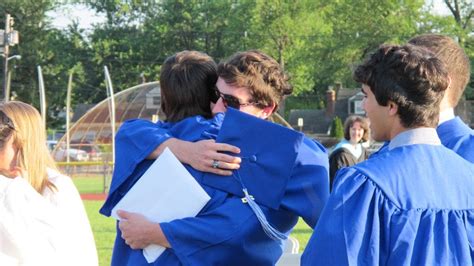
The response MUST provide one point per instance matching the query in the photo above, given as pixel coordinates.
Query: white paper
(165, 192)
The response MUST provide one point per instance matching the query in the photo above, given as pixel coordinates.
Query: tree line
(317, 41)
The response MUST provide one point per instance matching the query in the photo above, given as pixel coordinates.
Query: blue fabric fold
(458, 137)
(226, 231)
(267, 151)
(413, 205)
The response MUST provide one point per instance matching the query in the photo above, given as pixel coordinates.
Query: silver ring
(215, 164)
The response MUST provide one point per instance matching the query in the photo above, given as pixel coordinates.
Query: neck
(445, 115)
(444, 104)
(353, 143)
(396, 129)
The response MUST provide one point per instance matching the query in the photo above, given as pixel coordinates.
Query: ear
(449, 83)
(392, 108)
(268, 111)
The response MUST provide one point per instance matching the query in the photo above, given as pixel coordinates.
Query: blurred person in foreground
(43, 220)
(413, 203)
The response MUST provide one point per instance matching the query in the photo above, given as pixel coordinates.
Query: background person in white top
(43, 219)
(350, 150)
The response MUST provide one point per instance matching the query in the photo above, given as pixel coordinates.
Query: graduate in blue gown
(412, 204)
(227, 231)
(452, 131)
(457, 136)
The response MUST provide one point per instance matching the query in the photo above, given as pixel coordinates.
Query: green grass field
(104, 231)
(104, 228)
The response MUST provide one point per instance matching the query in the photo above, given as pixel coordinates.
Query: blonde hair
(29, 138)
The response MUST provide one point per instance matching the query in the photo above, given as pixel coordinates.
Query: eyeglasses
(6, 121)
(232, 101)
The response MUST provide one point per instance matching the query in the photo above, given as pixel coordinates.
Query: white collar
(421, 135)
(445, 115)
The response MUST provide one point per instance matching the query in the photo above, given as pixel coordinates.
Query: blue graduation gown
(458, 137)
(413, 205)
(135, 140)
(245, 243)
(226, 231)
(455, 135)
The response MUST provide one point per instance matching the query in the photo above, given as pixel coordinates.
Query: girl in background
(43, 219)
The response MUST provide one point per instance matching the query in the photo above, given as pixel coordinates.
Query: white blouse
(47, 229)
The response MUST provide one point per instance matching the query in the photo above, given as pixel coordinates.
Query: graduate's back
(413, 205)
(423, 177)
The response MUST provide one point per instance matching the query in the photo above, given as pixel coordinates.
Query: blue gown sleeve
(135, 140)
(349, 231)
(465, 147)
(457, 136)
(232, 230)
(307, 190)
(192, 235)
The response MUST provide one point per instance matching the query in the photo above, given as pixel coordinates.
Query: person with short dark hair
(184, 79)
(452, 131)
(350, 150)
(187, 81)
(413, 203)
(274, 185)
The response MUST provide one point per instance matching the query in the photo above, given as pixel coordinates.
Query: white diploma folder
(165, 192)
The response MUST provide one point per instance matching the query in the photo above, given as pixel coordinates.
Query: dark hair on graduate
(350, 122)
(411, 77)
(454, 58)
(261, 74)
(187, 81)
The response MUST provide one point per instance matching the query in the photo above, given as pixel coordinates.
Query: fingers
(123, 214)
(223, 147)
(126, 235)
(219, 147)
(132, 244)
(218, 171)
(228, 159)
(228, 166)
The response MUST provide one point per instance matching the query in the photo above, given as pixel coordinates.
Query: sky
(87, 17)
(66, 15)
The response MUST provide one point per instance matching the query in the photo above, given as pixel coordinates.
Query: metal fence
(100, 170)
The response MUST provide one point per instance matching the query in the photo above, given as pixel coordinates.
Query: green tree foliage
(317, 42)
(288, 30)
(358, 27)
(462, 12)
(337, 130)
(30, 22)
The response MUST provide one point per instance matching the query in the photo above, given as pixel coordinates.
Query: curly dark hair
(261, 74)
(187, 81)
(411, 77)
